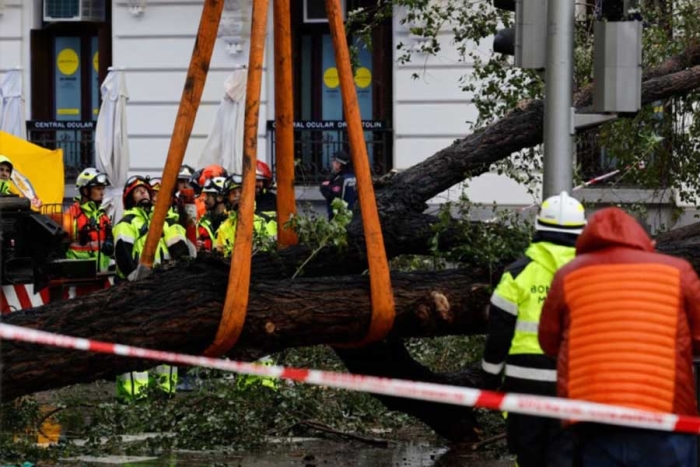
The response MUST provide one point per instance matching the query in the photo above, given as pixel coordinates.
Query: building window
(315, 11)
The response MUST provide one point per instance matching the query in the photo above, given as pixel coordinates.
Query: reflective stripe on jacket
(226, 235)
(514, 315)
(207, 227)
(93, 221)
(130, 237)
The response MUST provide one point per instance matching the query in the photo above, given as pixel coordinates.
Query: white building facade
(63, 63)
(407, 120)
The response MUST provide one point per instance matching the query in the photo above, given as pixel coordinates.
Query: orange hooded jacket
(623, 320)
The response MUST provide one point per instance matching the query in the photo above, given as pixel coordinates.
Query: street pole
(558, 114)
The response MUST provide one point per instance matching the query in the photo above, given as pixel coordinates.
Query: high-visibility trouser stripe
(526, 326)
(534, 374)
(492, 368)
(505, 305)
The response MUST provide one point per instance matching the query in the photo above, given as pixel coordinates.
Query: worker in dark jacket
(624, 323)
(512, 346)
(341, 183)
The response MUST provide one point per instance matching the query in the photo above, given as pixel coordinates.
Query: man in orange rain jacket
(624, 322)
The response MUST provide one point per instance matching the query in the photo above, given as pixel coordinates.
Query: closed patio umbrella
(224, 145)
(12, 118)
(111, 140)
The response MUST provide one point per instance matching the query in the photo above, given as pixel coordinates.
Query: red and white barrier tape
(517, 403)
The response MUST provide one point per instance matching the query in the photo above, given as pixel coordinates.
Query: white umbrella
(224, 145)
(12, 107)
(111, 140)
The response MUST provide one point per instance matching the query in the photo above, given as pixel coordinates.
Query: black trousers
(539, 442)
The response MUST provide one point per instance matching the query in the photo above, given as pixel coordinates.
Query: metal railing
(76, 139)
(315, 143)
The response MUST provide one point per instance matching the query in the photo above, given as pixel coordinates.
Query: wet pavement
(311, 453)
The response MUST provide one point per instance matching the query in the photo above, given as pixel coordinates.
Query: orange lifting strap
(383, 310)
(236, 303)
(189, 103)
(284, 124)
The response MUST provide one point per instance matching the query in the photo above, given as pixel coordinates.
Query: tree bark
(179, 310)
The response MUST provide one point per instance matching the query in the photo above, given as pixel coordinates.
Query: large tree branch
(520, 129)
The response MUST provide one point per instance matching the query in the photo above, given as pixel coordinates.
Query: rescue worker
(265, 195)
(624, 322)
(155, 183)
(5, 174)
(216, 190)
(184, 177)
(177, 210)
(86, 222)
(264, 228)
(512, 342)
(199, 178)
(246, 382)
(130, 232)
(341, 183)
(234, 193)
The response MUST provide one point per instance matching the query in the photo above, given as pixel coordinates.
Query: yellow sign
(330, 78)
(67, 61)
(96, 62)
(363, 77)
(68, 111)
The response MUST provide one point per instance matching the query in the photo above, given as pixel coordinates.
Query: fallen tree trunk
(184, 315)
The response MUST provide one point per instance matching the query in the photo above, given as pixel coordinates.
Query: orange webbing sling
(383, 311)
(189, 103)
(236, 303)
(284, 124)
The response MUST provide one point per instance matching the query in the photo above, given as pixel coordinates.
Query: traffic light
(526, 40)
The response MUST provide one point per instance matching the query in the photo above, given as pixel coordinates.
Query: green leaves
(317, 232)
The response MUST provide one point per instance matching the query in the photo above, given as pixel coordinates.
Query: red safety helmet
(263, 172)
(200, 177)
(130, 185)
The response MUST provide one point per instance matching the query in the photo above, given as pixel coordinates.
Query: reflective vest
(132, 385)
(96, 228)
(244, 382)
(226, 235)
(207, 230)
(522, 295)
(132, 230)
(4, 187)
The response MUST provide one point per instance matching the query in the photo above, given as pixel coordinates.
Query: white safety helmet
(561, 213)
(91, 177)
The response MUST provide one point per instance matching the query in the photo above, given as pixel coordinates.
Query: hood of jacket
(613, 227)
